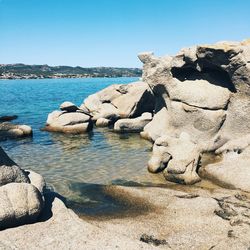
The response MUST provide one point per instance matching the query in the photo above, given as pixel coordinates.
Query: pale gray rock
(103, 122)
(107, 111)
(137, 100)
(20, 203)
(68, 122)
(196, 218)
(37, 180)
(125, 101)
(178, 157)
(69, 107)
(233, 170)
(202, 91)
(9, 171)
(157, 127)
(199, 93)
(133, 124)
(61, 228)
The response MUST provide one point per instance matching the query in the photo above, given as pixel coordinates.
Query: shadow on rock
(101, 202)
(47, 210)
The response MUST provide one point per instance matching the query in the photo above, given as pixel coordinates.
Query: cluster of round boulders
(104, 109)
(190, 104)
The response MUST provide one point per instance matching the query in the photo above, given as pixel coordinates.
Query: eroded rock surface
(203, 92)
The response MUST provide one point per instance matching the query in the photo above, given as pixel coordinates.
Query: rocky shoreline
(194, 108)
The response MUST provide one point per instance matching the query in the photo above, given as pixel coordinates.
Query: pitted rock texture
(202, 92)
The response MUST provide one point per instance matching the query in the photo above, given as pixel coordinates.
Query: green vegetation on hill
(17, 71)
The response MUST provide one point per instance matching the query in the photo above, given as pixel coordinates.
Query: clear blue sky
(112, 32)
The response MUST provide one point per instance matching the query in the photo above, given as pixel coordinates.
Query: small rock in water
(8, 118)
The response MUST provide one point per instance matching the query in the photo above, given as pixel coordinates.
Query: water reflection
(71, 143)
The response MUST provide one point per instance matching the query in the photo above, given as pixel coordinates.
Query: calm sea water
(68, 162)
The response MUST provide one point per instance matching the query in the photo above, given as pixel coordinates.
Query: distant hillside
(23, 71)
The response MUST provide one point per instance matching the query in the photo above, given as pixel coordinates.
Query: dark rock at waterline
(8, 118)
(11, 131)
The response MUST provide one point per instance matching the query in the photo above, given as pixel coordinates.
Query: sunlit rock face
(202, 103)
(120, 101)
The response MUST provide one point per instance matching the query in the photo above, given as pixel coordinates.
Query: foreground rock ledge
(190, 219)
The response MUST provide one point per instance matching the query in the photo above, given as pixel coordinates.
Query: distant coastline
(23, 71)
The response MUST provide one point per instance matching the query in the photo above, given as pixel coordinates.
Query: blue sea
(69, 161)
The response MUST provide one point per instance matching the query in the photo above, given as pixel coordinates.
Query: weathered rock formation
(21, 194)
(202, 104)
(103, 108)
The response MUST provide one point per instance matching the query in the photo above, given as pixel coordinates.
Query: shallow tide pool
(71, 161)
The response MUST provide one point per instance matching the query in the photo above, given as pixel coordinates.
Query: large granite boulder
(203, 91)
(70, 120)
(120, 101)
(20, 203)
(10, 130)
(133, 124)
